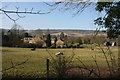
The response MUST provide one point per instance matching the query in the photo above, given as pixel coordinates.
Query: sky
(57, 19)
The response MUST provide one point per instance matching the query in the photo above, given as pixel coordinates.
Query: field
(36, 64)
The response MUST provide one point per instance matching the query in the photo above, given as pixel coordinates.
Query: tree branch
(17, 12)
(23, 12)
(10, 17)
(13, 66)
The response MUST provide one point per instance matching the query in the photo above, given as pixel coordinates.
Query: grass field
(36, 64)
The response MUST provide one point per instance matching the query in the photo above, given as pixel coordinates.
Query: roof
(59, 42)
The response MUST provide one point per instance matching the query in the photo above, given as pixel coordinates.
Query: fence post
(47, 67)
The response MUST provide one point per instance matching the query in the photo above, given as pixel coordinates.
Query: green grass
(36, 64)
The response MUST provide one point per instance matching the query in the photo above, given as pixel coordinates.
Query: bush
(59, 66)
(58, 46)
(53, 46)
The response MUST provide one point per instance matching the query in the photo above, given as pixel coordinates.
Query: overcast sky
(57, 19)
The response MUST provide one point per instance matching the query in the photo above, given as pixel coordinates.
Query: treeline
(12, 38)
(15, 38)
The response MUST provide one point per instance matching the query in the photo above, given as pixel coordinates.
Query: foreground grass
(36, 64)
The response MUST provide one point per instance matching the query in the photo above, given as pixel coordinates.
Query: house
(52, 41)
(110, 43)
(59, 43)
(29, 40)
(113, 44)
(35, 39)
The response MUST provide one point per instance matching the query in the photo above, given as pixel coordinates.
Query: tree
(66, 40)
(87, 41)
(48, 41)
(14, 36)
(79, 41)
(62, 36)
(26, 34)
(55, 40)
(5, 39)
(111, 19)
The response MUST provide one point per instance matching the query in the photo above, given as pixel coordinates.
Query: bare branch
(17, 9)
(25, 9)
(17, 12)
(14, 20)
(54, 4)
(96, 64)
(78, 6)
(90, 70)
(12, 63)
(13, 66)
(22, 12)
(31, 9)
(20, 16)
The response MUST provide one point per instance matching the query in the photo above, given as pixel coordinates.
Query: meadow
(36, 60)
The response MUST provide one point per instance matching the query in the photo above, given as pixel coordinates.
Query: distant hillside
(69, 32)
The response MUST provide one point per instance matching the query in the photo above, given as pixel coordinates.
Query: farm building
(29, 40)
(59, 43)
(35, 39)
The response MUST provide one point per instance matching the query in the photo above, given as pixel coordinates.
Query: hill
(69, 32)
